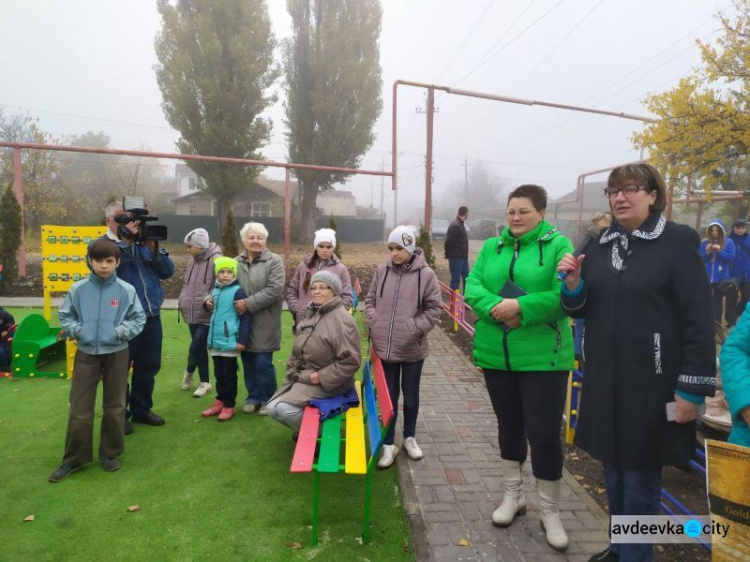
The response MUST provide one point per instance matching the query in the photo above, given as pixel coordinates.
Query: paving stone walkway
(450, 494)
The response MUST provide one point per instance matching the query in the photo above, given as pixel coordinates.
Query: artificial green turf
(206, 490)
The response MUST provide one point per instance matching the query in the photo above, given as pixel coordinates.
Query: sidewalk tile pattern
(450, 495)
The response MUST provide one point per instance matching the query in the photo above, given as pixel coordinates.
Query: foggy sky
(84, 65)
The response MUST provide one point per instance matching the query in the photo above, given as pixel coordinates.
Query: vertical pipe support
(18, 190)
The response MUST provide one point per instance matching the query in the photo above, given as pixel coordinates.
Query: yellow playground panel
(64, 258)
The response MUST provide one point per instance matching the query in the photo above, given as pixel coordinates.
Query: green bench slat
(330, 446)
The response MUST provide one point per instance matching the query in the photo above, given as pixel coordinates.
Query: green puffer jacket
(544, 341)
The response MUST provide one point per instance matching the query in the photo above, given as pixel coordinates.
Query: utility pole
(466, 181)
(382, 189)
(428, 160)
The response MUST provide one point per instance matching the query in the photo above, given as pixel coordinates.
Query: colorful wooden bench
(364, 425)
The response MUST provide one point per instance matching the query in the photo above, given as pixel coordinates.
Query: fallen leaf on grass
(579, 477)
(133, 508)
(586, 486)
(574, 457)
(293, 545)
(601, 490)
(28, 518)
(198, 420)
(463, 542)
(406, 547)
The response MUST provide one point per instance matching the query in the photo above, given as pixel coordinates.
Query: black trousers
(529, 405)
(725, 290)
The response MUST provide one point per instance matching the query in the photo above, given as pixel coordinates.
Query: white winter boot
(549, 494)
(514, 500)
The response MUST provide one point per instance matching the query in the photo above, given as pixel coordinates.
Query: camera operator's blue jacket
(144, 270)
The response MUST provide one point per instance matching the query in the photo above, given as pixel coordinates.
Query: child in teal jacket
(735, 375)
(228, 334)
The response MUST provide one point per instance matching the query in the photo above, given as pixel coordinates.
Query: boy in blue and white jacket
(102, 313)
(228, 334)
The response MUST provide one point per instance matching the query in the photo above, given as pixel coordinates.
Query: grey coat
(199, 282)
(298, 298)
(327, 341)
(262, 279)
(402, 306)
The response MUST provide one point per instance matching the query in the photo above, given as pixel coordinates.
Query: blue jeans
(225, 371)
(145, 356)
(409, 373)
(198, 351)
(260, 376)
(459, 271)
(633, 492)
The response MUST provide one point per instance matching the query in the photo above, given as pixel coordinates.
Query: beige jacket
(327, 341)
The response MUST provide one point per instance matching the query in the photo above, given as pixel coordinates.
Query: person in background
(718, 254)
(649, 346)
(298, 294)
(101, 313)
(457, 249)
(228, 335)
(325, 357)
(7, 327)
(524, 344)
(741, 268)
(200, 279)
(144, 266)
(402, 306)
(599, 222)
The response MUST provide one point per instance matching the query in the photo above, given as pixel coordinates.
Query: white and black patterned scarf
(651, 229)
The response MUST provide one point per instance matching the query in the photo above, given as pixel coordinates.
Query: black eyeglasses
(630, 189)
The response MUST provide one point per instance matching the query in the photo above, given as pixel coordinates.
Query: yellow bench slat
(355, 459)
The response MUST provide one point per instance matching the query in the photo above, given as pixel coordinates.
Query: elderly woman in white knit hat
(323, 258)
(198, 284)
(325, 356)
(403, 305)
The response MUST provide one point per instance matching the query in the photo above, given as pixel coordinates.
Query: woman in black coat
(649, 345)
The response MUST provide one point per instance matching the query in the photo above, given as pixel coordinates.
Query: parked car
(440, 229)
(481, 229)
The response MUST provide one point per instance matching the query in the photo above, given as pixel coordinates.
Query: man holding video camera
(143, 265)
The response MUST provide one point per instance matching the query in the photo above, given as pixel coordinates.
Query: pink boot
(226, 414)
(214, 410)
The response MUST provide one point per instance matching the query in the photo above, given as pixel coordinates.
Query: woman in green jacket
(524, 344)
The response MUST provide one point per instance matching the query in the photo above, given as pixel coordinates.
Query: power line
(469, 35)
(560, 42)
(87, 118)
(509, 43)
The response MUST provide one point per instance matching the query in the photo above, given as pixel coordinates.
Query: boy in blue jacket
(102, 313)
(228, 334)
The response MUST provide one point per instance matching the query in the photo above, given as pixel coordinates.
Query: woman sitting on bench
(325, 356)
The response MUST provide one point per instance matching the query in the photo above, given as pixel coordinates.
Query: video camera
(135, 211)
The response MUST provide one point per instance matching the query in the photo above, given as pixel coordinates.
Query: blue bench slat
(373, 424)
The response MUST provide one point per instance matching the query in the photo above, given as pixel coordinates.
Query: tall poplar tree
(216, 66)
(333, 87)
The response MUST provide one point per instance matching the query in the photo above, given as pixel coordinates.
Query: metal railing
(456, 308)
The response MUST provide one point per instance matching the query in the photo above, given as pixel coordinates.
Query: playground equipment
(40, 350)
(64, 258)
(573, 403)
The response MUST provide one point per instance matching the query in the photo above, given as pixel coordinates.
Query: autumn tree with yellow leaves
(703, 129)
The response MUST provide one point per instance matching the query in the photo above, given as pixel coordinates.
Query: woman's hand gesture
(571, 266)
